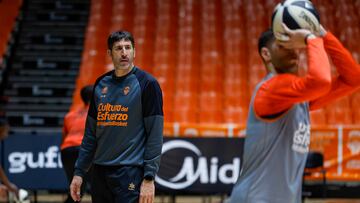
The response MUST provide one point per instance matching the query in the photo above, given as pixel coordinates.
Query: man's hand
(297, 38)
(75, 188)
(3, 191)
(147, 191)
(12, 188)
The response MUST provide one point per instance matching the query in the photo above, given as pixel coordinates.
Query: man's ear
(265, 54)
(108, 52)
(134, 53)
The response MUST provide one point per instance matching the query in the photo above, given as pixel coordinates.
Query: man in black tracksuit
(123, 133)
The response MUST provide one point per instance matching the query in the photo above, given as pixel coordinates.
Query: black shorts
(116, 184)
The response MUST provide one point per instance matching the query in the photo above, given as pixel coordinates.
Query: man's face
(284, 60)
(122, 54)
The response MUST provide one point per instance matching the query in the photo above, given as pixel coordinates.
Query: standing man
(123, 134)
(278, 128)
(73, 132)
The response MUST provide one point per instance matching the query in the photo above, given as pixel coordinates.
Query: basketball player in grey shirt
(278, 127)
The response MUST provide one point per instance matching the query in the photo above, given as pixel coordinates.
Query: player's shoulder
(71, 114)
(143, 76)
(101, 77)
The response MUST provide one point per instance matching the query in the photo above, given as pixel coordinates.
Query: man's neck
(121, 72)
(270, 68)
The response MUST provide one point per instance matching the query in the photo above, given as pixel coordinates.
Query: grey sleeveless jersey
(274, 157)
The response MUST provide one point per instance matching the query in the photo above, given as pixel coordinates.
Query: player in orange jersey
(73, 132)
(278, 127)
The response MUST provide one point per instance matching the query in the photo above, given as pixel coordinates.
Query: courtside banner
(34, 161)
(199, 165)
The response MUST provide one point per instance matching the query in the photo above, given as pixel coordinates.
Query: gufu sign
(200, 165)
(34, 161)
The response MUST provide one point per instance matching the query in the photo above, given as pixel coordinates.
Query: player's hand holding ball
(296, 21)
(296, 39)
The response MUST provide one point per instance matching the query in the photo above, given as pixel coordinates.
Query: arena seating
(9, 11)
(204, 53)
(44, 64)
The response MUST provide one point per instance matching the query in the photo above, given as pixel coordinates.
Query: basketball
(295, 14)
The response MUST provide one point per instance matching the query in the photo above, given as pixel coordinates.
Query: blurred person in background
(73, 132)
(6, 186)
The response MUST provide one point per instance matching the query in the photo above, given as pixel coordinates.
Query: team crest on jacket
(126, 90)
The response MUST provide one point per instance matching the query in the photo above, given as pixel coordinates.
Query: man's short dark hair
(86, 93)
(118, 36)
(265, 38)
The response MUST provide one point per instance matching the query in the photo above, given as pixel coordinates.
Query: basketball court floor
(44, 198)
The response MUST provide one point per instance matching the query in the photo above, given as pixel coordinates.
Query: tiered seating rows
(204, 53)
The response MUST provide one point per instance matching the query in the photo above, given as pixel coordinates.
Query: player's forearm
(318, 78)
(3, 177)
(154, 128)
(87, 149)
(346, 66)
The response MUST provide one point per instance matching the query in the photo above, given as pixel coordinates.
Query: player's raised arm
(348, 78)
(286, 88)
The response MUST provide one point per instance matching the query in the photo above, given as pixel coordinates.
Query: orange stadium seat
(166, 83)
(339, 112)
(236, 100)
(210, 83)
(210, 117)
(235, 87)
(125, 20)
(355, 107)
(168, 115)
(237, 115)
(356, 115)
(186, 84)
(163, 69)
(337, 115)
(185, 116)
(186, 100)
(318, 117)
(168, 100)
(355, 101)
(210, 101)
(168, 106)
(239, 71)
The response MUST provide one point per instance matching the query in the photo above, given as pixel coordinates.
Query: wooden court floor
(44, 198)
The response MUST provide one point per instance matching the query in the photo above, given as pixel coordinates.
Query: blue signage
(188, 165)
(199, 165)
(33, 161)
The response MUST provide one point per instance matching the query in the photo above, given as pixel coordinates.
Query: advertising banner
(199, 165)
(203, 165)
(34, 161)
(349, 166)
